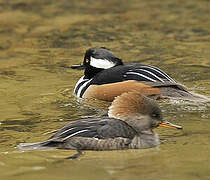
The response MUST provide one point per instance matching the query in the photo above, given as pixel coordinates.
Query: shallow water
(40, 40)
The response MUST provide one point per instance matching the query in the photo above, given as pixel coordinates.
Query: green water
(39, 40)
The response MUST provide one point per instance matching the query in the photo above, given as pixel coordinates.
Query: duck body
(122, 73)
(106, 77)
(96, 134)
(129, 125)
(125, 72)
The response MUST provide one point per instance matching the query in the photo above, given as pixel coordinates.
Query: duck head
(139, 111)
(97, 59)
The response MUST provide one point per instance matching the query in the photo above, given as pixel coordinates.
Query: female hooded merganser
(131, 118)
(106, 77)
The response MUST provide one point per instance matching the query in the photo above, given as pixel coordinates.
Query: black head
(97, 59)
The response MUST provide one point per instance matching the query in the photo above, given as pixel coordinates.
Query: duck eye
(86, 60)
(155, 115)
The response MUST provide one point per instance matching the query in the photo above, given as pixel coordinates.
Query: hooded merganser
(129, 125)
(106, 77)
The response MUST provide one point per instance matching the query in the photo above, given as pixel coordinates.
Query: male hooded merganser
(106, 77)
(129, 125)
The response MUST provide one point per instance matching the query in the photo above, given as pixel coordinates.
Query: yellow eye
(86, 60)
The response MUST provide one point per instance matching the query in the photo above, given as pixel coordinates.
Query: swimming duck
(129, 125)
(106, 76)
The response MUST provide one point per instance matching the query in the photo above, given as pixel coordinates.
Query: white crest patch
(101, 63)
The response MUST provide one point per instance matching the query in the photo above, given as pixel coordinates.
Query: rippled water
(39, 40)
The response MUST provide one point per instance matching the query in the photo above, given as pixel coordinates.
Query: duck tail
(36, 146)
(199, 97)
(170, 92)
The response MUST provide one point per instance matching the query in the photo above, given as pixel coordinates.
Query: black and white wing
(94, 128)
(147, 73)
(131, 72)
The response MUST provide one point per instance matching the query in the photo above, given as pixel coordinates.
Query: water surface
(40, 40)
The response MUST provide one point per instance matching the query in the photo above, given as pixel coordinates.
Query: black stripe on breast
(79, 85)
(84, 88)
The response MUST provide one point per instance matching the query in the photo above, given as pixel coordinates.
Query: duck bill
(79, 67)
(167, 124)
